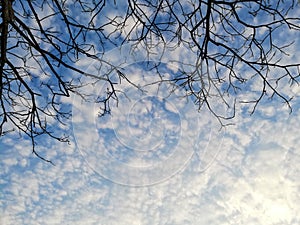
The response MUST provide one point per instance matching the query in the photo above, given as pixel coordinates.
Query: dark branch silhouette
(233, 42)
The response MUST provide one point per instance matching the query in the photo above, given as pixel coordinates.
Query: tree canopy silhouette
(234, 43)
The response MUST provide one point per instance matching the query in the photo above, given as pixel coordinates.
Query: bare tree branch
(229, 45)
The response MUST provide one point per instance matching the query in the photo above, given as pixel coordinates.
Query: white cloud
(249, 177)
(253, 181)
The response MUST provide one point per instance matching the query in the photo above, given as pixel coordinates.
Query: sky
(157, 160)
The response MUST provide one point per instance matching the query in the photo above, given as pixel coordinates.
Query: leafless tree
(233, 42)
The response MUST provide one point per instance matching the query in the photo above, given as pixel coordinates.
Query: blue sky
(155, 159)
